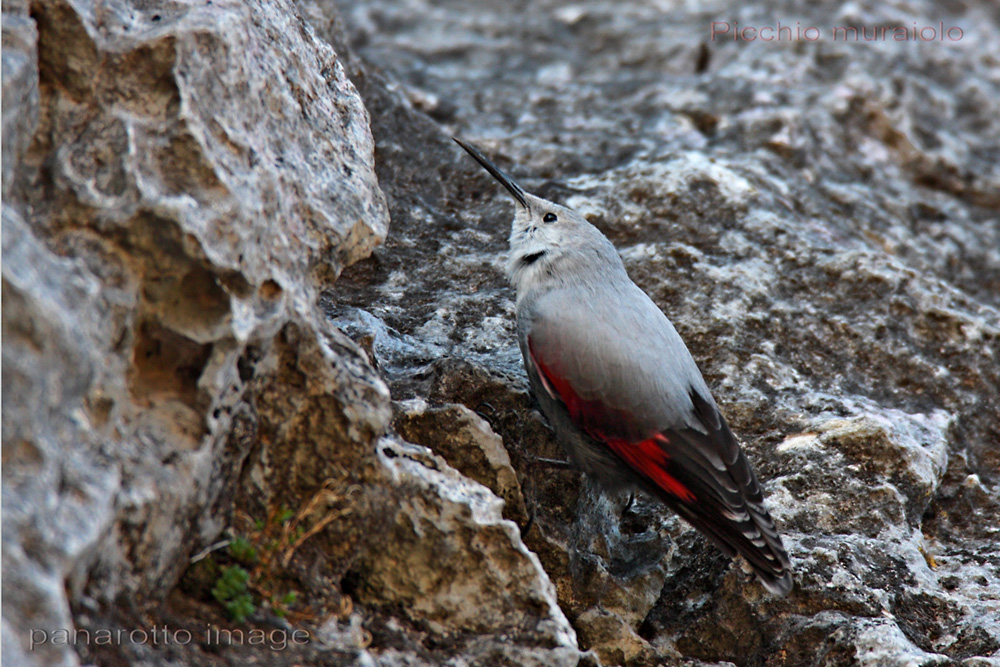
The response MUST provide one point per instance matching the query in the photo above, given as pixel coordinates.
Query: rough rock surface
(467, 443)
(176, 190)
(198, 346)
(822, 222)
(181, 182)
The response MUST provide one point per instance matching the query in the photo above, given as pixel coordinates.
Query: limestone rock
(197, 348)
(178, 183)
(20, 88)
(457, 567)
(467, 442)
(819, 220)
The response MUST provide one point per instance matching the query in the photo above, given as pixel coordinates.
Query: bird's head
(548, 242)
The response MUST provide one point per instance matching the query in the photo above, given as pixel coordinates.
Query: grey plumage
(620, 388)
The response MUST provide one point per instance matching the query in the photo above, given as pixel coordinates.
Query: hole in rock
(166, 365)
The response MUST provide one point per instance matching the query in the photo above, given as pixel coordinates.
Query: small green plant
(243, 551)
(281, 605)
(260, 551)
(247, 583)
(232, 591)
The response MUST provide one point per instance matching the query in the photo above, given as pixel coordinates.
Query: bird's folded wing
(695, 466)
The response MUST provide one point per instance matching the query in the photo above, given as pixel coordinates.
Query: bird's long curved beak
(495, 172)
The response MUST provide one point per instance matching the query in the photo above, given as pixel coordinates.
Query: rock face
(180, 185)
(819, 218)
(206, 345)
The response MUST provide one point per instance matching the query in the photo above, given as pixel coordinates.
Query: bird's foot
(628, 504)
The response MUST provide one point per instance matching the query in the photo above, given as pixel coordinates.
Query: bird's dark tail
(728, 506)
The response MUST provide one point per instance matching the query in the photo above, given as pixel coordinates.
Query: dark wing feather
(702, 474)
(729, 507)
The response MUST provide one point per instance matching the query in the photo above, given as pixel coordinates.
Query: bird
(620, 388)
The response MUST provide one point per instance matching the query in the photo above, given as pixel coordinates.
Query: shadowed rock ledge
(236, 398)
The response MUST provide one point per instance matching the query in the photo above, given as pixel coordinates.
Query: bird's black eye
(549, 217)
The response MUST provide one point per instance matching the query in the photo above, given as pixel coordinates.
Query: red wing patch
(649, 458)
(646, 457)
